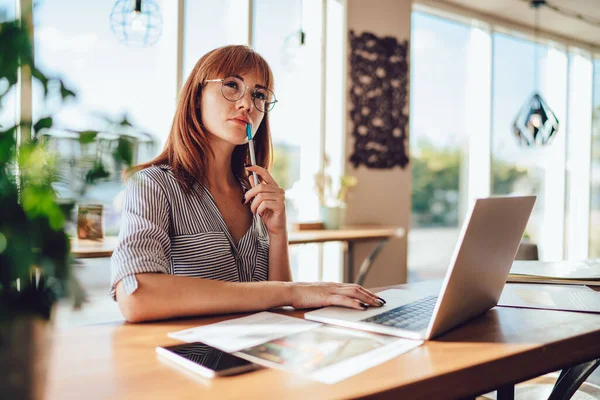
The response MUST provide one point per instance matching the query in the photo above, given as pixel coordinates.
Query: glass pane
(535, 170)
(8, 9)
(73, 41)
(579, 128)
(595, 170)
(335, 122)
(8, 107)
(210, 24)
(438, 145)
(296, 119)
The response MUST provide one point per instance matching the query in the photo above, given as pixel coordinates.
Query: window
(7, 10)
(335, 120)
(211, 24)
(594, 219)
(579, 136)
(439, 139)
(483, 107)
(114, 79)
(108, 76)
(530, 170)
(296, 119)
(73, 42)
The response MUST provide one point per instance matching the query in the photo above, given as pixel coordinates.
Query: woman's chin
(231, 136)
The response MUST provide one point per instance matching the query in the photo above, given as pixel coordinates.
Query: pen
(251, 147)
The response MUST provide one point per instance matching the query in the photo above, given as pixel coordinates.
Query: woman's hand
(268, 201)
(312, 295)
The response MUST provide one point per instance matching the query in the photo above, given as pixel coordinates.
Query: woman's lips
(239, 121)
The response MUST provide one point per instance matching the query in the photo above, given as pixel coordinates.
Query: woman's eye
(231, 84)
(260, 95)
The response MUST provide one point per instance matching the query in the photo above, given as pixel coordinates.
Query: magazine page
(328, 354)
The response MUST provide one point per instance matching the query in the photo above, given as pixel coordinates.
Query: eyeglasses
(233, 89)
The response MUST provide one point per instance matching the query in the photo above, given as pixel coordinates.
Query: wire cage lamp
(535, 124)
(136, 23)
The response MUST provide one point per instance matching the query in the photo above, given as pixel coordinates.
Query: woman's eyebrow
(256, 86)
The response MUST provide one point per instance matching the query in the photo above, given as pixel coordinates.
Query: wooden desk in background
(502, 347)
(348, 235)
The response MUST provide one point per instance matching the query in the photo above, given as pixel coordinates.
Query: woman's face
(226, 120)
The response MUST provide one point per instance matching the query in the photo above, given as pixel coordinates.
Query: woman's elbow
(131, 308)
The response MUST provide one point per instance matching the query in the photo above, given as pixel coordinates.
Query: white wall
(381, 196)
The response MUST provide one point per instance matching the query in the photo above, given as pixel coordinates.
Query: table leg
(571, 378)
(506, 392)
(349, 261)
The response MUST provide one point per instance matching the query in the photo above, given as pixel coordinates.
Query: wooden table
(500, 348)
(349, 235)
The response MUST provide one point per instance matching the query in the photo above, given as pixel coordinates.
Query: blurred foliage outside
(286, 165)
(435, 183)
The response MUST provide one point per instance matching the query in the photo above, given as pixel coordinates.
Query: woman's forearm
(279, 259)
(161, 296)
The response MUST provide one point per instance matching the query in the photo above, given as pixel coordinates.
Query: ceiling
(519, 12)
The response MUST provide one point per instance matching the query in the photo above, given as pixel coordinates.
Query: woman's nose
(246, 101)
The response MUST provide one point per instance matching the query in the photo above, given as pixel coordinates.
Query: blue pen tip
(249, 131)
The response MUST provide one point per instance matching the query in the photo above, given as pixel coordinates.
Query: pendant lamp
(535, 124)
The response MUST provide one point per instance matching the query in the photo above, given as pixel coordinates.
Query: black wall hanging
(378, 93)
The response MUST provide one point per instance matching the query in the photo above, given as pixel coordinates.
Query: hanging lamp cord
(564, 11)
(536, 4)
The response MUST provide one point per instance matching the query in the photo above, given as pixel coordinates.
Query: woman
(188, 245)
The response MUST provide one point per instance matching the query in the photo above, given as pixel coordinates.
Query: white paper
(240, 333)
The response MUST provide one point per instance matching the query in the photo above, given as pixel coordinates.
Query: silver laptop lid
(482, 259)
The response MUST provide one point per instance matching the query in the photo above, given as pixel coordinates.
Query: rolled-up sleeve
(144, 244)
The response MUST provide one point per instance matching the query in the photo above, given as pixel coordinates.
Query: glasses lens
(233, 89)
(264, 100)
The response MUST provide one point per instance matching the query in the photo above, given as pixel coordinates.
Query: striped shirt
(166, 230)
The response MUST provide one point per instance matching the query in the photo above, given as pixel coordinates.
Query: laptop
(482, 259)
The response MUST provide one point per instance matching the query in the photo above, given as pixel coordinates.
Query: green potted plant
(35, 261)
(36, 265)
(332, 202)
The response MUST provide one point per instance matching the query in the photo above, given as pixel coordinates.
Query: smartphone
(205, 360)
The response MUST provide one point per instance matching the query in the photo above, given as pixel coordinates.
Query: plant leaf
(64, 92)
(124, 151)
(87, 137)
(125, 121)
(8, 145)
(43, 123)
(97, 172)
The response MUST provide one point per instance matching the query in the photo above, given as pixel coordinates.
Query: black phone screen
(207, 356)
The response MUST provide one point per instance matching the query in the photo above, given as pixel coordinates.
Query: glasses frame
(253, 91)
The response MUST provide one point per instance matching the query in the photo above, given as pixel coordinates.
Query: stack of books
(584, 272)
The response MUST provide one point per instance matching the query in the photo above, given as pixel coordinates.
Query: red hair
(187, 147)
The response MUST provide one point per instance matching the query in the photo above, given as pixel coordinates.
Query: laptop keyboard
(412, 316)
